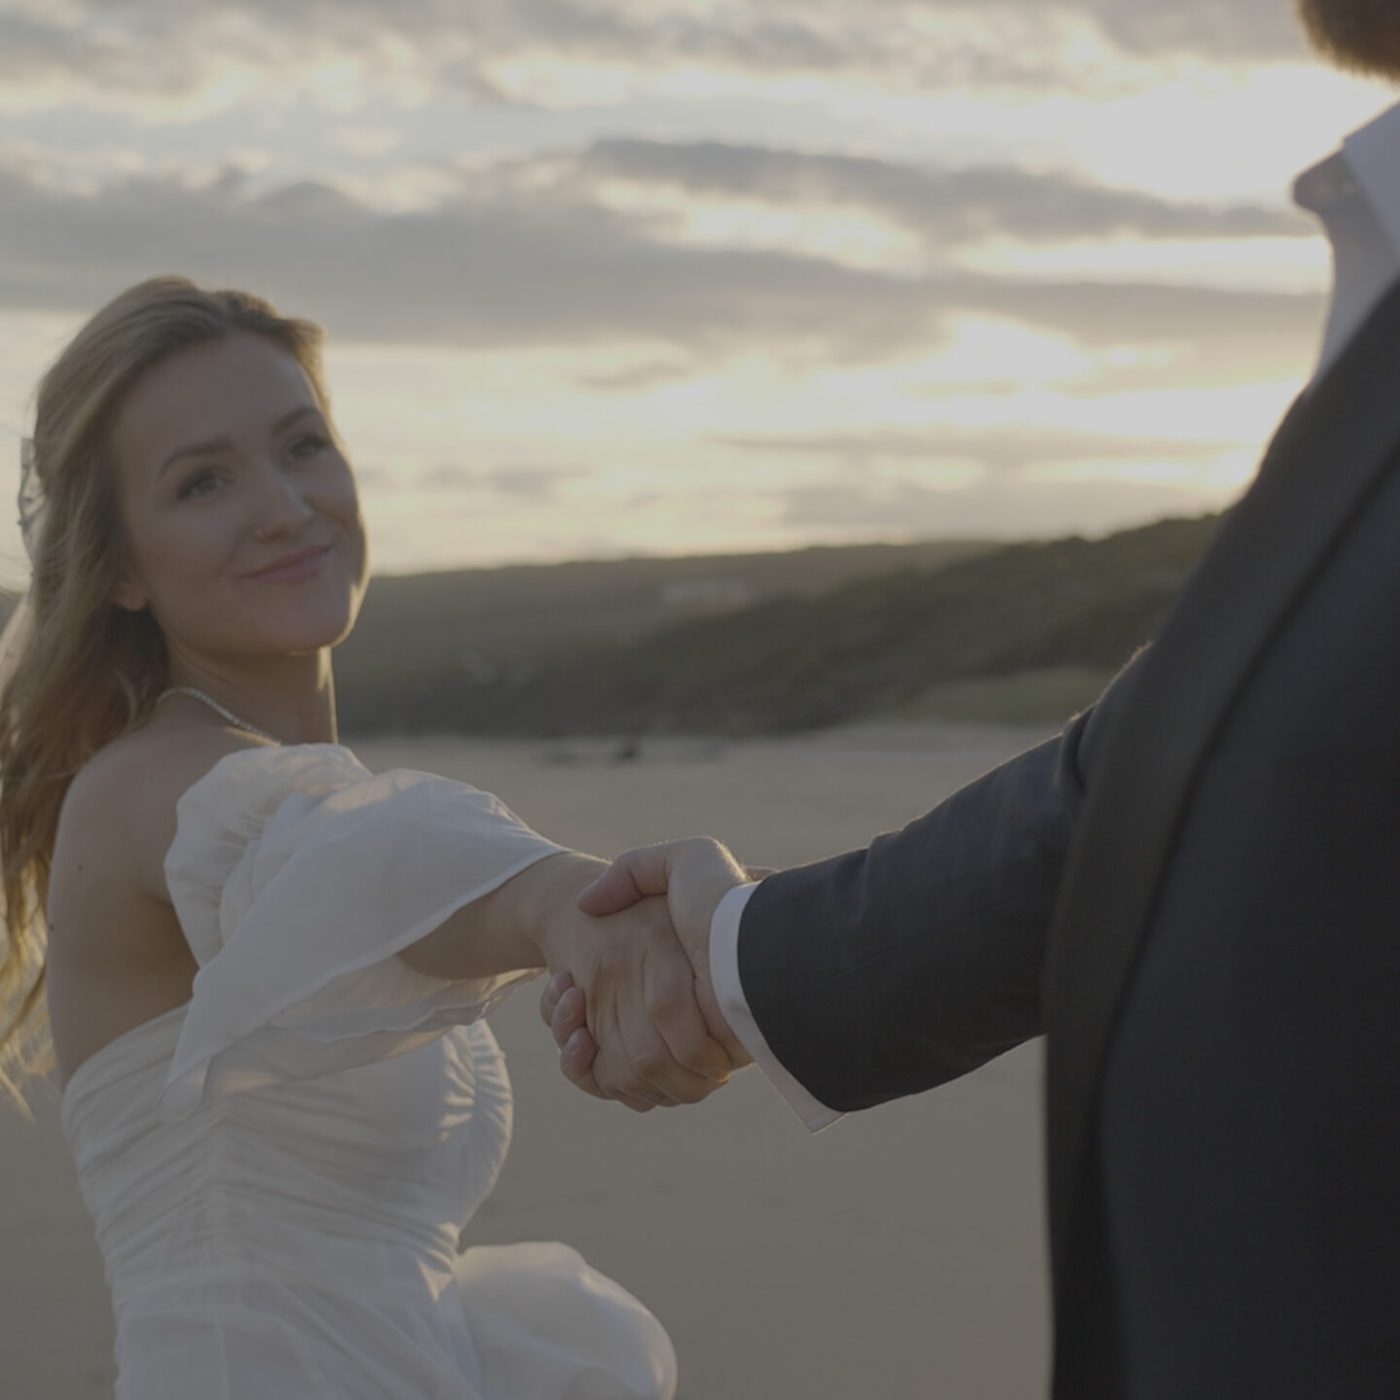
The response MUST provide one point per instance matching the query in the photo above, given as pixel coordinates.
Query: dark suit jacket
(1194, 892)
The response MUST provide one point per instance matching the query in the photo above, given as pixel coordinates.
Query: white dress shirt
(1356, 194)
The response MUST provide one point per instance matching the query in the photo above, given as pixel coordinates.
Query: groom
(1193, 892)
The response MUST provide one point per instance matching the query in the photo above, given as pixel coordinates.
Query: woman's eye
(190, 487)
(314, 439)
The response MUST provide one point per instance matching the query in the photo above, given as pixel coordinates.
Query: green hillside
(481, 622)
(1025, 632)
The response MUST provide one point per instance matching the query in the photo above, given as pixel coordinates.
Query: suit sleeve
(890, 970)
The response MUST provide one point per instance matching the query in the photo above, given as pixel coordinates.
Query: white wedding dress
(280, 1170)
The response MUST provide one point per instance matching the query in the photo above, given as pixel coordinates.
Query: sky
(703, 276)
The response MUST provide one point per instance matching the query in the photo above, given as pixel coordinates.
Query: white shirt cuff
(729, 992)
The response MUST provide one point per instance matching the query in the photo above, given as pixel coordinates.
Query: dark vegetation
(747, 644)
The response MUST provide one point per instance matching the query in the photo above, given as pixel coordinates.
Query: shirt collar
(1356, 194)
(1372, 155)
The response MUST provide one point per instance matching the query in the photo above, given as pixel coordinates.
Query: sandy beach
(898, 1253)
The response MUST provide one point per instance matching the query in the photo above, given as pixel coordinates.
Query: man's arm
(885, 971)
(889, 970)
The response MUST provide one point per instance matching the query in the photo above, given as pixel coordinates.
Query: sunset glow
(701, 277)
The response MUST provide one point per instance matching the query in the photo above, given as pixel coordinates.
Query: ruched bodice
(282, 1171)
(384, 1162)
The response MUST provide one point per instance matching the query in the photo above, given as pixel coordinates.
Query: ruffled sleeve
(297, 875)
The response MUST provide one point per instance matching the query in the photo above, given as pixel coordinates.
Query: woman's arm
(510, 928)
(636, 976)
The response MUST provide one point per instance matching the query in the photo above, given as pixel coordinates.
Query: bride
(263, 969)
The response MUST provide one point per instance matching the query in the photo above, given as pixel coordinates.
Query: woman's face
(203, 527)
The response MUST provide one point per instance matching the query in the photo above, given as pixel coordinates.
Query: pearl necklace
(222, 709)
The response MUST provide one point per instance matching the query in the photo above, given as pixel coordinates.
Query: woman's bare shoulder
(120, 806)
(116, 952)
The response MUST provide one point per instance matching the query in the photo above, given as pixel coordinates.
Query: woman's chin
(310, 632)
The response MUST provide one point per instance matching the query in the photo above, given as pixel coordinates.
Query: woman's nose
(281, 507)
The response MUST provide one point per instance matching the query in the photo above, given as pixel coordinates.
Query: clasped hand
(630, 1002)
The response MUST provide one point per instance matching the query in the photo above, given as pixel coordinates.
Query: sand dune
(897, 1254)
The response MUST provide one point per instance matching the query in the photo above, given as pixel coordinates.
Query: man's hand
(634, 994)
(694, 875)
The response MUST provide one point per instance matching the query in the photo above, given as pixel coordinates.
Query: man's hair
(1360, 36)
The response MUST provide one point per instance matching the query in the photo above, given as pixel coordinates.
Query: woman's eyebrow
(220, 444)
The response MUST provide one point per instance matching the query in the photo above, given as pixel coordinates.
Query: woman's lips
(301, 565)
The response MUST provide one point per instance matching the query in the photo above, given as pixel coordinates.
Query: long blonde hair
(84, 670)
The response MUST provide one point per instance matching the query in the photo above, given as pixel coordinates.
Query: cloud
(642, 376)
(492, 266)
(529, 483)
(997, 452)
(152, 52)
(518, 480)
(1236, 30)
(945, 206)
(987, 509)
